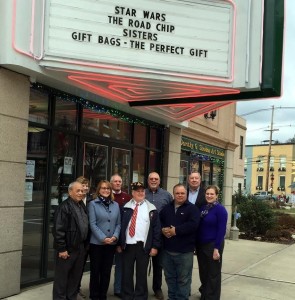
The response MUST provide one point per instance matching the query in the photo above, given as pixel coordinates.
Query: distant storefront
(200, 157)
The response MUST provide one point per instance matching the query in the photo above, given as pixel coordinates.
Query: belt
(137, 243)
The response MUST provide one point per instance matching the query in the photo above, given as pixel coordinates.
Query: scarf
(105, 201)
(207, 208)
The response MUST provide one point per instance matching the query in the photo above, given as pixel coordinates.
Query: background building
(83, 91)
(239, 155)
(281, 168)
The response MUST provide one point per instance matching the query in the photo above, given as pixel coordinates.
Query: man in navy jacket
(179, 221)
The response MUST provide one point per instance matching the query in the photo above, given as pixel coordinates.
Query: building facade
(281, 168)
(239, 155)
(93, 88)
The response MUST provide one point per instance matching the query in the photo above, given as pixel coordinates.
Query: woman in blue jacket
(210, 243)
(105, 225)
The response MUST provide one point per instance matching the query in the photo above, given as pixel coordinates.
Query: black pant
(134, 254)
(209, 271)
(67, 275)
(101, 261)
(157, 271)
(85, 261)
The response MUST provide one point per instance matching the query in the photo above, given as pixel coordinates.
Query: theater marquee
(178, 36)
(173, 59)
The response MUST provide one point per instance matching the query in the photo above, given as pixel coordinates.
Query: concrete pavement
(252, 270)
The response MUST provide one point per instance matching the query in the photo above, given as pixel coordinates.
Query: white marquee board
(191, 37)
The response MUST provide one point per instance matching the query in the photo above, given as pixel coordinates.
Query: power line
(265, 109)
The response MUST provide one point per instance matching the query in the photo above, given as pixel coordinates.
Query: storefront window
(154, 164)
(105, 125)
(121, 165)
(34, 202)
(139, 165)
(216, 175)
(38, 108)
(205, 173)
(183, 173)
(195, 166)
(140, 133)
(155, 138)
(66, 114)
(95, 163)
(63, 165)
(103, 146)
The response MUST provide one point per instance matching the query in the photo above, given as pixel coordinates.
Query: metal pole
(269, 150)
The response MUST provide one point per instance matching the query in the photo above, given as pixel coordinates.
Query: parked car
(263, 195)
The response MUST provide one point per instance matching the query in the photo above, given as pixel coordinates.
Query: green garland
(95, 106)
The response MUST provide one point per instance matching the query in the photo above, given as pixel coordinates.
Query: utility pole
(271, 130)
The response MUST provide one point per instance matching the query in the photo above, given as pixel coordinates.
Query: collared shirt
(193, 195)
(159, 198)
(142, 224)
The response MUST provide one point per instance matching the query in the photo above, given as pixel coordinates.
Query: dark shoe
(119, 295)
(81, 294)
(159, 295)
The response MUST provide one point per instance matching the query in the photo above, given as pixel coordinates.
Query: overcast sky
(284, 119)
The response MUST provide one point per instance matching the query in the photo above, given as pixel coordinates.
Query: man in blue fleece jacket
(179, 221)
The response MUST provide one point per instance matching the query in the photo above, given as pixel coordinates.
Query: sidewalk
(251, 270)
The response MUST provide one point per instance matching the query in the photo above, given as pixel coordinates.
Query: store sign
(191, 37)
(202, 148)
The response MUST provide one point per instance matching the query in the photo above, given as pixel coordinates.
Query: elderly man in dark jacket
(179, 220)
(70, 232)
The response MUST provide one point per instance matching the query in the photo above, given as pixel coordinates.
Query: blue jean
(178, 269)
(118, 272)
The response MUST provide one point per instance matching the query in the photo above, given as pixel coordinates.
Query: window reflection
(95, 164)
(63, 165)
(121, 166)
(155, 138)
(154, 162)
(139, 165)
(65, 114)
(105, 125)
(38, 108)
(216, 174)
(205, 173)
(34, 200)
(140, 133)
(183, 173)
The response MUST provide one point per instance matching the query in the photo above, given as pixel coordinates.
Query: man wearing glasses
(159, 197)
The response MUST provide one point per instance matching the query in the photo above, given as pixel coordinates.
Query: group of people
(132, 230)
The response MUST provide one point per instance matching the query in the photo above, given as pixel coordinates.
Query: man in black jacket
(70, 231)
(195, 193)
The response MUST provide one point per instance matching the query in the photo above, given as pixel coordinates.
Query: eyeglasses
(152, 178)
(105, 188)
